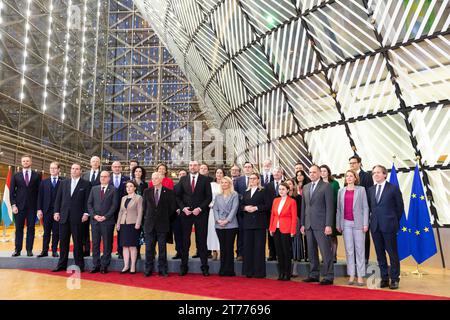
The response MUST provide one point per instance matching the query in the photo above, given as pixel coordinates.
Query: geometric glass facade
(317, 81)
(149, 104)
(52, 64)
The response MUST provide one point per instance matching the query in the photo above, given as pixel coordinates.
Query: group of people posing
(296, 217)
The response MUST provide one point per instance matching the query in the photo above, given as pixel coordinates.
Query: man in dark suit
(386, 207)
(266, 174)
(240, 186)
(159, 206)
(271, 189)
(119, 182)
(176, 223)
(366, 181)
(71, 211)
(93, 176)
(317, 220)
(46, 208)
(193, 198)
(23, 198)
(102, 204)
(204, 171)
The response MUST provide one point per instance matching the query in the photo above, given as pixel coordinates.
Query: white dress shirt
(382, 188)
(280, 207)
(73, 185)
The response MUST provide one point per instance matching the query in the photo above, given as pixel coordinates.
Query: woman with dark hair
(325, 174)
(138, 173)
(301, 179)
(212, 239)
(166, 182)
(300, 246)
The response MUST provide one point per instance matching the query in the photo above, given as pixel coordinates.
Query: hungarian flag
(7, 216)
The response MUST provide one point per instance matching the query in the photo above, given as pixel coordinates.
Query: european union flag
(403, 234)
(422, 243)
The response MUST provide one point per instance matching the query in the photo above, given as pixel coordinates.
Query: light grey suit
(226, 209)
(317, 212)
(354, 236)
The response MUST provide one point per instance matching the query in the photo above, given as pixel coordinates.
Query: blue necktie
(377, 196)
(116, 183)
(54, 182)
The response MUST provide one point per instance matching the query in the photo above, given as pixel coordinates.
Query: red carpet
(240, 288)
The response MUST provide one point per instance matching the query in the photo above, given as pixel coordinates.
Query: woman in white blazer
(353, 221)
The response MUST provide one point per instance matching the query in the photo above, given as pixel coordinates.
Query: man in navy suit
(118, 180)
(193, 198)
(23, 198)
(386, 207)
(240, 186)
(71, 211)
(46, 208)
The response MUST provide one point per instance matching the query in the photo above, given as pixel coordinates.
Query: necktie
(266, 180)
(276, 189)
(193, 184)
(27, 178)
(246, 182)
(312, 190)
(116, 182)
(102, 193)
(54, 182)
(377, 196)
(156, 196)
(93, 177)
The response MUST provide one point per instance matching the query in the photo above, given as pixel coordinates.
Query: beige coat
(133, 214)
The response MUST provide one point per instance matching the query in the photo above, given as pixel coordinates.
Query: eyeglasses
(253, 178)
(353, 162)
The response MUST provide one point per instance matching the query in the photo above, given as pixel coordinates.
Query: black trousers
(66, 230)
(387, 242)
(51, 231)
(240, 236)
(178, 234)
(85, 234)
(367, 246)
(150, 243)
(19, 220)
(254, 264)
(283, 245)
(226, 240)
(102, 232)
(201, 232)
(271, 244)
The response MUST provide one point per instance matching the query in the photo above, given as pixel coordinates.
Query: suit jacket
(72, 208)
(386, 214)
(240, 186)
(122, 191)
(261, 177)
(201, 198)
(365, 179)
(157, 217)
(133, 213)
(360, 208)
(87, 176)
(106, 207)
(258, 219)
(226, 209)
(22, 196)
(287, 216)
(47, 195)
(318, 212)
(166, 182)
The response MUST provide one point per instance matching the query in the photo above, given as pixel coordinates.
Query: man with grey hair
(159, 205)
(266, 173)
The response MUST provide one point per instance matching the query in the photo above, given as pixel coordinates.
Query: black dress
(129, 236)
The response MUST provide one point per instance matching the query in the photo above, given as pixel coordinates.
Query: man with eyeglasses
(366, 181)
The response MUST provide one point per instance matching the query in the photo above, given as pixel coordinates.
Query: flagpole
(4, 237)
(41, 233)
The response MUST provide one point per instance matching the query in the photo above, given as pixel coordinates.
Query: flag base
(418, 272)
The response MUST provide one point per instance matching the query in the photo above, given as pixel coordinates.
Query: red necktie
(193, 184)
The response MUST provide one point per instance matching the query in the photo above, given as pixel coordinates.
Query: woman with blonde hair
(225, 210)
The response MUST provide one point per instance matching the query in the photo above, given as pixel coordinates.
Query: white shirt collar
(381, 184)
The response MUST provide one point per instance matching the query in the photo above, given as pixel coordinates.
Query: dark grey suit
(102, 230)
(317, 213)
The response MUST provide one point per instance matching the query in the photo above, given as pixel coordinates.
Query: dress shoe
(205, 272)
(281, 276)
(183, 271)
(125, 271)
(195, 256)
(29, 253)
(95, 270)
(58, 269)
(309, 280)
(271, 258)
(239, 258)
(259, 277)
(326, 282)
(384, 283)
(132, 272)
(393, 285)
(86, 254)
(82, 269)
(55, 255)
(104, 270)
(286, 278)
(16, 254)
(43, 254)
(163, 274)
(120, 257)
(177, 256)
(147, 273)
